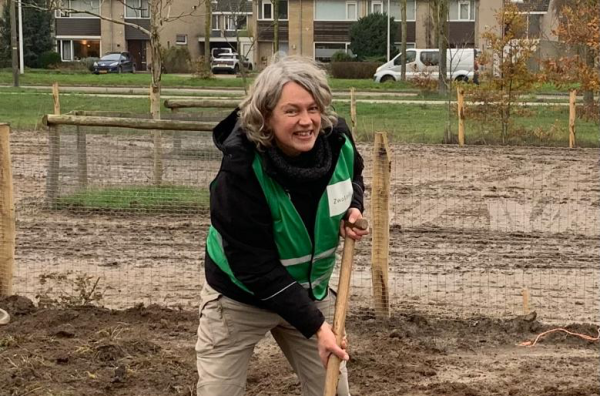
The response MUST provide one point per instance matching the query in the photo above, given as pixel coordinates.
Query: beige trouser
(228, 333)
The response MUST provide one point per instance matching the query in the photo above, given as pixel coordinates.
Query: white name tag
(340, 197)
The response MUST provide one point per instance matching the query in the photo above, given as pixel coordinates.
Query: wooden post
(176, 136)
(82, 174)
(54, 154)
(381, 232)
(460, 95)
(572, 114)
(56, 98)
(157, 157)
(353, 112)
(135, 123)
(525, 301)
(7, 214)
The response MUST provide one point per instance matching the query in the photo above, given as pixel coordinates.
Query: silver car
(229, 63)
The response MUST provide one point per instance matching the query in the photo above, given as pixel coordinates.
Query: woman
(290, 174)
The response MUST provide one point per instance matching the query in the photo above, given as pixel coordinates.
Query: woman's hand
(328, 345)
(354, 233)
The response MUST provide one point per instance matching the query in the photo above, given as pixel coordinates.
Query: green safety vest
(310, 265)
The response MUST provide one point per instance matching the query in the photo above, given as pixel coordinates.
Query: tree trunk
(588, 95)
(155, 88)
(443, 46)
(207, 31)
(13, 42)
(403, 45)
(275, 26)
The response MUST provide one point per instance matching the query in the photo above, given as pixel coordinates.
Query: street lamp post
(21, 57)
(388, 30)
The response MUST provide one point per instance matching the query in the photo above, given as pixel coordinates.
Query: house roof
(533, 5)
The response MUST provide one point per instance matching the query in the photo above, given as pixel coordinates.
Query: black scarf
(306, 167)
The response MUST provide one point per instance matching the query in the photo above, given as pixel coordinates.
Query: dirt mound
(17, 305)
(149, 350)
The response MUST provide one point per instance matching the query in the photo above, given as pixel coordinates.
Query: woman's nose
(305, 118)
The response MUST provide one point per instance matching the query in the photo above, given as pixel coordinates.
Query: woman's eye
(290, 111)
(313, 109)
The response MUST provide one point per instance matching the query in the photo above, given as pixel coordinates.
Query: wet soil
(85, 351)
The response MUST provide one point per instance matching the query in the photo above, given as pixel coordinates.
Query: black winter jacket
(240, 213)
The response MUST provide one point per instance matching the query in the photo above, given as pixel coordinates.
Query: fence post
(53, 154)
(572, 114)
(82, 174)
(525, 301)
(157, 147)
(460, 95)
(56, 98)
(7, 214)
(177, 135)
(353, 112)
(381, 224)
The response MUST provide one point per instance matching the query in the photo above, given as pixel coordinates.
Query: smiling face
(295, 120)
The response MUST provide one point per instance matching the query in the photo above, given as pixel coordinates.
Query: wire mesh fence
(477, 230)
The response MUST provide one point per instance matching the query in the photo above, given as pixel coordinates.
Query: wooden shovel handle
(341, 307)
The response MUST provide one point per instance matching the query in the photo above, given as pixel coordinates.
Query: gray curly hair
(265, 92)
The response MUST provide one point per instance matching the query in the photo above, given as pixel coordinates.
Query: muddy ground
(148, 351)
(473, 230)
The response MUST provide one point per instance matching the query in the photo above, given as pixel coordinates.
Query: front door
(137, 50)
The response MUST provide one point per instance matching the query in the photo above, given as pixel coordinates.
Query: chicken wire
(472, 229)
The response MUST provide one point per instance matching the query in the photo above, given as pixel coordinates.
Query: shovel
(341, 306)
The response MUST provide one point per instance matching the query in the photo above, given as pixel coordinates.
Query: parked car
(229, 63)
(114, 62)
(216, 52)
(461, 65)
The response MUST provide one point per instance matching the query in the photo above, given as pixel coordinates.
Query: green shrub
(177, 59)
(357, 70)
(341, 56)
(74, 67)
(49, 59)
(368, 35)
(88, 63)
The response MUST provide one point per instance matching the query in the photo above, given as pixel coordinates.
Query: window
(464, 10)
(181, 39)
(74, 50)
(351, 8)
(137, 9)
(377, 7)
(236, 22)
(283, 9)
(411, 56)
(215, 22)
(267, 10)
(66, 50)
(430, 58)
(324, 51)
(79, 5)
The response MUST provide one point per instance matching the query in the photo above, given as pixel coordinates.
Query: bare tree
(160, 15)
(207, 31)
(440, 15)
(275, 26)
(13, 42)
(237, 11)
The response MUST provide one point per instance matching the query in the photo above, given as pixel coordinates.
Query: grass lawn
(164, 199)
(45, 77)
(410, 123)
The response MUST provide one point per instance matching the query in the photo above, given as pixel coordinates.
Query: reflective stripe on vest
(309, 265)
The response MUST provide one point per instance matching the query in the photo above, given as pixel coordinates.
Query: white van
(425, 62)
